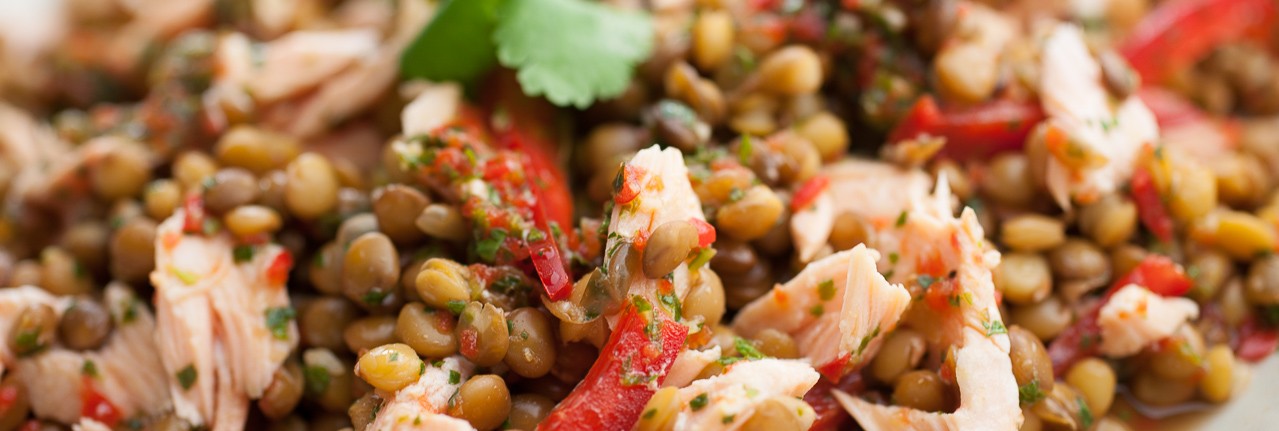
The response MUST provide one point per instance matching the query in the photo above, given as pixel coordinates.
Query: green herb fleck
(826, 290)
(487, 248)
(454, 377)
(456, 306)
(703, 257)
(901, 219)
(648, 414)
(736, 195)
(817, 310)
(187, 376)
(925, 281)
(892, 257)
(672, 304)
(994, 327)
(746, 349)
(1085, 414)
(374, 297)
(242, 253)
(187, 278)
(698, 402)
(728, 419)
(317, 379)
(277, 319)
(1030, 393)
(745, 149)
(89, 369)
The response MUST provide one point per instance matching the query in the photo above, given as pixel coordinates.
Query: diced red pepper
(808, 192)
(1256, 342)
(193, 214)
(621, 381)
(627, 185)
(975, 132)
(1180, 32)
(97, 407)
(830, 415)
(1150, 207)
(705, 232)
(277, 272)
(1159, 274)
(550, 268)
(808, 26)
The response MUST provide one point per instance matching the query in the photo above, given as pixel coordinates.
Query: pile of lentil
(395, 265)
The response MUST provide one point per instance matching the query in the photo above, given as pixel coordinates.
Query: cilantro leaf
(456, 45)
(571, 51)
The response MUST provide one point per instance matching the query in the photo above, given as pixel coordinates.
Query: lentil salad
(648, 215)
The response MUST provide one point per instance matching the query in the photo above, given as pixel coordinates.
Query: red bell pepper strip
(808, 192)
(1158, 273)
(193, 214)
(1256, 342)
(1150, 207)
(522, 124)
(1180, 32)
(976, 132)
(632, 364)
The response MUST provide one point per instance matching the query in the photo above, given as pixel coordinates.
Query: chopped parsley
(826, 290)
(1085, 414)
(728, 419)
(187, 376)
(28, 342)
(456, 306)
(1030, 393)
(317, 379)
(901, 219)
(455, 377)
(698, 402)
(89, 369)
(487, 248)
(649, 414)
(745, 150)
(374, 297)
(277, 319)
(130, 311)
(244, 253)
(861, 347)
(672, 304)
(925, 281)
(817, 310)
(994, 327)
(746, 349)
(892, 257)
(736, 195)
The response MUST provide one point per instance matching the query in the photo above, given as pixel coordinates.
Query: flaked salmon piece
(12, 301)
(421, 405)
(1135, 317)
(1101, 143)
(731, 397)
(975, 46)
(874, 192)
(954, 254)
(303, 60)
(225, 327)
(688, 365)
(434, 106)
(125, 371)
(664, 195)
(837, 309)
